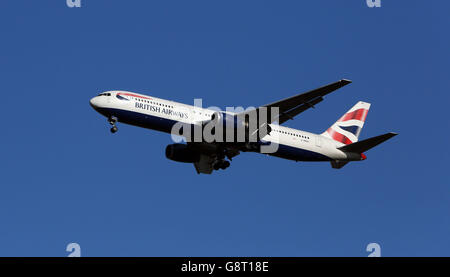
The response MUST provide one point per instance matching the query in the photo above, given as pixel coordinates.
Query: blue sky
(64, 178)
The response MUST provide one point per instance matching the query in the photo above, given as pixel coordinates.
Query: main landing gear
(112, 120)
(221, 164)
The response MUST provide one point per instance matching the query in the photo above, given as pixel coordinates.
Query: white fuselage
(159, 114)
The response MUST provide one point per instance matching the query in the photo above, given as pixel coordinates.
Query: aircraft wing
(292, 106)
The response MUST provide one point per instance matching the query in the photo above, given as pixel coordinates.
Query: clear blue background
(64, 178)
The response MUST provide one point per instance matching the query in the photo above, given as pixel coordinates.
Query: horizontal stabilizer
(364, 145)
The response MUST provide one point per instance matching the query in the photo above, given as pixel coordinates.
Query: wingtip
(346, 81)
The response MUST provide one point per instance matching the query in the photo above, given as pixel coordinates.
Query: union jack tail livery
(347, 129)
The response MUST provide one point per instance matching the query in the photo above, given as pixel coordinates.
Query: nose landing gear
(112, 120)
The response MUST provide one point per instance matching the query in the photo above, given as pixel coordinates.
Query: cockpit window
(105, 94)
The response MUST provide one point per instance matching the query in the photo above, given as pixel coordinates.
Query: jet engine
(182, 153)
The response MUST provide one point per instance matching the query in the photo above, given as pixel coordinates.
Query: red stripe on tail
(338, 136)
(360, 114)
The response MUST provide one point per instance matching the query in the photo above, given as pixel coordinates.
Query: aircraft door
(318, 141)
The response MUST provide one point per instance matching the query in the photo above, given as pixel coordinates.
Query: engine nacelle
(181, 153)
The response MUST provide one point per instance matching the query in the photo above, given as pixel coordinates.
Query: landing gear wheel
(225, 164)
(221, 164)
(112, 120)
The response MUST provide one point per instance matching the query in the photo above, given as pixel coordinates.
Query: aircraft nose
(94, 102)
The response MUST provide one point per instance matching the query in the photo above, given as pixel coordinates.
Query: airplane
(338, 144)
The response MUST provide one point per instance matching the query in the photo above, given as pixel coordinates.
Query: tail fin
(347, 129)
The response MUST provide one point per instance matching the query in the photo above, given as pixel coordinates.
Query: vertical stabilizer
(347, 129)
